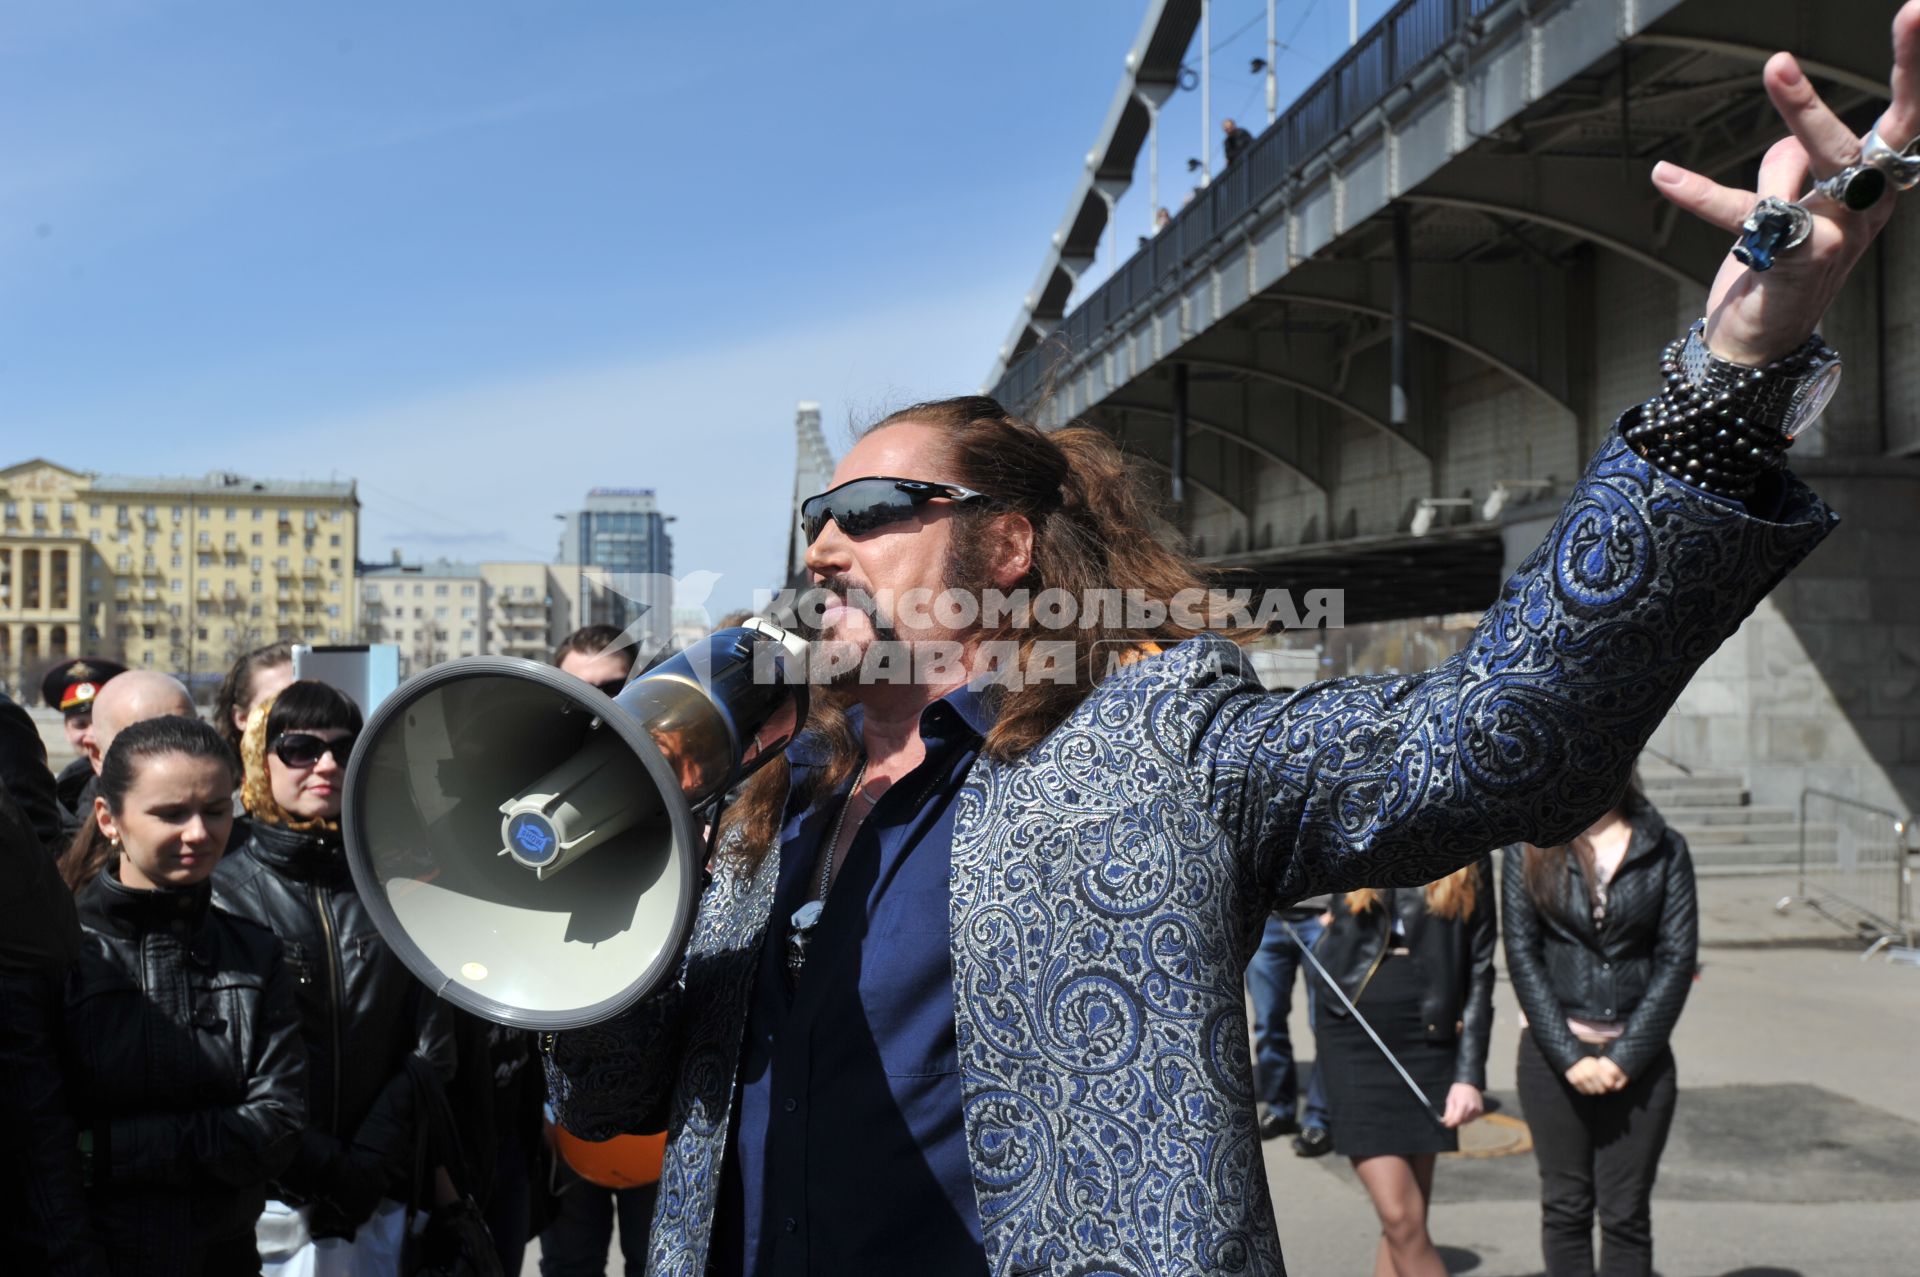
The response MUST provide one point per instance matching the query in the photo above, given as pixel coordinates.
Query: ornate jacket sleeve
(1675, 951)
(1527, 733)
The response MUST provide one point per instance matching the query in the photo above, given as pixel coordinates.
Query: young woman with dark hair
(1418, 964)
(181, 1047)
(1602, 935)
(362, 1013)
(254, 677)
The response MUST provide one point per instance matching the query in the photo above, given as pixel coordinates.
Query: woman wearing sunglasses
(338, 1206)
(181, 1045)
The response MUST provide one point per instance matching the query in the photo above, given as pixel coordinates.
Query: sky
(480, 256)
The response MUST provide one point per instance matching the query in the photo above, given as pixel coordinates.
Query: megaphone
(529, 846)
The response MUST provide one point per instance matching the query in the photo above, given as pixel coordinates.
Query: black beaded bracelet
(1724, 430)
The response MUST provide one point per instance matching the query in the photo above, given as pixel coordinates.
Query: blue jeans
(1270, 984)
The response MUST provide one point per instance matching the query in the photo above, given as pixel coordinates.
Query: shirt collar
(974, 706)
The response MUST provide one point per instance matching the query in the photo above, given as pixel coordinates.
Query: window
(175, 561)
(205, 559)
(66, 512)
(94, 536)
(124, 563)
(333, 586)
(39, 511)
(466, 591)
(257, 539)
(526, 591)
(333, 635)
(280, 564)
(466, 636)
(255, 609)
(200, 632)
(176, 585)
(439, 614)
(333, 610)
(232, 514)
(334, 539)
(419, 590)
(285, 517)
(150, 537)
(286, 538)
(440, 591)
(176, 540)
(399, 590)
(258, 513)
(13, 510)
(93, 511)
(259, 587)
(233, 541)
(255, 562)
(467, 614)
(177, 513)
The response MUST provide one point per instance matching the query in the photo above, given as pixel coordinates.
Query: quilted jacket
(1108, 888)
(1635, 965)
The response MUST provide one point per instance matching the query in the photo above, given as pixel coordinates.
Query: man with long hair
(964, 992)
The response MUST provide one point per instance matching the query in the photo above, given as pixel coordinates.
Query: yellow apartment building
(179, 575)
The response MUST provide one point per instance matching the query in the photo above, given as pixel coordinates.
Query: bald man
(131, 698)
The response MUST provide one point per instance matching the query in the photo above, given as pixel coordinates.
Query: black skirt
(1374, 1113)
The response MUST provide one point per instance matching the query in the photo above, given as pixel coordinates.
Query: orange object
(625, 1161)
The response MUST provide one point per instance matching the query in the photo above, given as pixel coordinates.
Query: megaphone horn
(528, 845)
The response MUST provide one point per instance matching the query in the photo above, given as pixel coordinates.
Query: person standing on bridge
(1237, 141)
(963, 994)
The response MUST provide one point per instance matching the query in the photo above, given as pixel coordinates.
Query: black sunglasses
(862, 505)
(300, 749)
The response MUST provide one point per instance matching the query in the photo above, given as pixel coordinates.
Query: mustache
(859, 599)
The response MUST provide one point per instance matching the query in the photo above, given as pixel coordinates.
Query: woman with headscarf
(341, 1203)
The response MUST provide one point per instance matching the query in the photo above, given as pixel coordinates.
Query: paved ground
(1796, 1148)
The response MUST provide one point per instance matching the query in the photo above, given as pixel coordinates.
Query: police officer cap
(70, 686)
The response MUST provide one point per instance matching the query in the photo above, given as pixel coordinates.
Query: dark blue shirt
(848, 1154)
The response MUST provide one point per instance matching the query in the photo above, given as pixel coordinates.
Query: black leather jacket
(361, 1013)
(1456, 955)
(43, 1212)
(184, 1071)
(1636, 965)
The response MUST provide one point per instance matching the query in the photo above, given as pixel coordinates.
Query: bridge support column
(1179, 459)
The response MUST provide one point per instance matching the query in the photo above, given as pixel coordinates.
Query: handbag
(452, 1239)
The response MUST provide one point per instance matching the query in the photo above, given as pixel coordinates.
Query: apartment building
(442, 610)
(174, 574)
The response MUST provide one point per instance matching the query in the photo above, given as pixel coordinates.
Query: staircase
(1727, 834)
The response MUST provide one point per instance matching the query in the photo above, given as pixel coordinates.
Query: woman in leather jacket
(181, 1046)
(362, 1013)
(1601, 937)
(1418, 963)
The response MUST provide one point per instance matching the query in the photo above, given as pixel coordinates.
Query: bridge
(1375, 351)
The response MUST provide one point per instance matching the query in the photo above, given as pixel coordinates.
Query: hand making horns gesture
(1754, 316)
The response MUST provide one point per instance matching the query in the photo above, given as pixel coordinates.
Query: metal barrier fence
(1863, 882)
(1412, 34)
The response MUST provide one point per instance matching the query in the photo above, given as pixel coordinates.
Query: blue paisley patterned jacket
(1108, 890)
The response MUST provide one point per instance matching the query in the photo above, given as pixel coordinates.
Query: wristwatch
(1789, 394)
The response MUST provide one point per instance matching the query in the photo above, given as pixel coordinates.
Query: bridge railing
(1412, 34)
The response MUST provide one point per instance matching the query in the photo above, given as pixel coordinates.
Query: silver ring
(1856, 188)
(1773, 227)
(1901, 167)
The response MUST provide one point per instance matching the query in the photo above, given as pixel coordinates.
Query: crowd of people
(219, 1065)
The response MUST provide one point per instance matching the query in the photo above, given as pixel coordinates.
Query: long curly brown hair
(1095, 527)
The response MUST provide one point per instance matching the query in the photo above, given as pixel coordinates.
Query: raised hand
(1754, 317)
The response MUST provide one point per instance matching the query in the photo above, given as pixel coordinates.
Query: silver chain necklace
(807, 916)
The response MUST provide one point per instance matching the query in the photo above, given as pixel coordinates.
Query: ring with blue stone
(1773, 227)
(1856, 188)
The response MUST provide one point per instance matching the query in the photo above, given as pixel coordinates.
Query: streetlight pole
(1206, 93)
(1273, 56)
(1353, 22)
